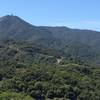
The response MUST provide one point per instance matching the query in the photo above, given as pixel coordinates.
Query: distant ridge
(81, 44)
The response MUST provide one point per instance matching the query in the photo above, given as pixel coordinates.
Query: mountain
(76, 43)
(48, 63)
(13, 27)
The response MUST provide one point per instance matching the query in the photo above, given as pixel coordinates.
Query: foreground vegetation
(25, 75)
(71, 81)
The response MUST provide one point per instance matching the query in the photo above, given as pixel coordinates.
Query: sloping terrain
(48, 63)
(80, 44)
(30, 72)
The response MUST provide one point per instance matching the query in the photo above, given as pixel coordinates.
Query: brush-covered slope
(80, 44)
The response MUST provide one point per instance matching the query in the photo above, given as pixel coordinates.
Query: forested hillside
(29, 70)
(48, 63)
(80, 44)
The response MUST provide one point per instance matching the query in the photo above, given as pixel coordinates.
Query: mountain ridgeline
(80, 44)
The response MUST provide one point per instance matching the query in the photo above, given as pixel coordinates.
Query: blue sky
(84, 14)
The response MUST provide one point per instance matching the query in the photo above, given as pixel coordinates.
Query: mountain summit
(13, 27)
